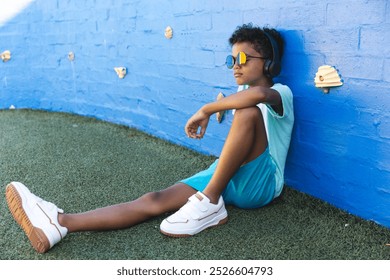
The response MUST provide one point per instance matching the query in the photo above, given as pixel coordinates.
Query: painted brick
(375, 41)
(358, 12)
(299, 15)
(194, 22)
(263, 17)
(302, 65)
(359, 67)
(330, 41)
(384, 126)
(226, 21)
(365, 94)
(386, 70)
(387, 13)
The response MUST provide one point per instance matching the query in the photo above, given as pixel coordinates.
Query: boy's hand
(199, 120)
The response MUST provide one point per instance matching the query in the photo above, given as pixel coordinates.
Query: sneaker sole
(36, 236)
(221, 222)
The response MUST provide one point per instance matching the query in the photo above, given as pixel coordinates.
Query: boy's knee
(153, 200)
(250, 113)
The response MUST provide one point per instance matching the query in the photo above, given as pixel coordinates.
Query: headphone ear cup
(272, 66)
(267, 67)
(274, 69)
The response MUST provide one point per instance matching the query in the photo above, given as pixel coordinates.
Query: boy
(248, 173)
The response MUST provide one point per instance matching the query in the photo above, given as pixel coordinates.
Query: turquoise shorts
(252, 186)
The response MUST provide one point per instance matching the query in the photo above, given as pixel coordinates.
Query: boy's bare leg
(130, 213)
(246, 140)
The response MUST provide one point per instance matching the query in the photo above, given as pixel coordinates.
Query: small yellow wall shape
(5, 56)
(121, 71)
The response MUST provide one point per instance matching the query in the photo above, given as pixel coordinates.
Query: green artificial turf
(81, 163)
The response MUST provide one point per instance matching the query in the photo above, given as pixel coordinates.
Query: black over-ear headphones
(272, 66)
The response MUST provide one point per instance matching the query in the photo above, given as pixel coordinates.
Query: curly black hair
(255, 36)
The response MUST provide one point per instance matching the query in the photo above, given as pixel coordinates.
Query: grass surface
(80, 164)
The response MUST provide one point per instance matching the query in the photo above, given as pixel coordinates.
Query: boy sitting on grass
(248, 173)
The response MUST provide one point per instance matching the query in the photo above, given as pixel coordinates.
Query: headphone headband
(272, 67)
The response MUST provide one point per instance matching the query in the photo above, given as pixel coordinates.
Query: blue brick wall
(341, 144)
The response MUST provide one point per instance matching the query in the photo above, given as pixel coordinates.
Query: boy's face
(250, 73)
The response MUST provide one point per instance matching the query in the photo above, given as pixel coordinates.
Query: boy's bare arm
(244, 99)
(196, 126)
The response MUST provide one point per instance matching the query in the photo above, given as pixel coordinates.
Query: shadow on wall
(297, 65)
(297, 70)
(303, 169)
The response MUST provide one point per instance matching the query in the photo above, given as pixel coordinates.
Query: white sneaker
(38, 218)
(196, 215)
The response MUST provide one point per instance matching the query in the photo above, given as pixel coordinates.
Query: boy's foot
(38, 218)
(196, 215)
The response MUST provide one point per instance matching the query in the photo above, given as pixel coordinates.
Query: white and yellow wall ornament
(168, 32)
(5, 56)
(327, 77)
(121, 71)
